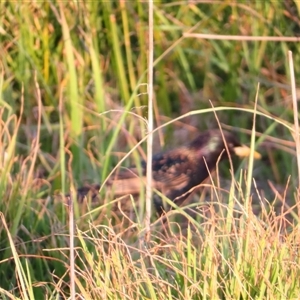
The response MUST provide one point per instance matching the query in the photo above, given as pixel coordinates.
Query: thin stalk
(150, 123)
(296, 122)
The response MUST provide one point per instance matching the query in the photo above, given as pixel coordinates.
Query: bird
(175, 172)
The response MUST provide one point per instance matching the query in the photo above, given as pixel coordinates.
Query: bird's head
(211, 144)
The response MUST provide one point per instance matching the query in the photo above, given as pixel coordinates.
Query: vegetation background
(73, 103)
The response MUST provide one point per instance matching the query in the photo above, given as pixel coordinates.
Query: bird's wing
(172, 170)
(171, 173)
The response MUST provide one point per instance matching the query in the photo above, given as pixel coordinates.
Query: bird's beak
(244, 151)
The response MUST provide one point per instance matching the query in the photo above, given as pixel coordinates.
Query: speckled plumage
(179, 170)
(175, 172)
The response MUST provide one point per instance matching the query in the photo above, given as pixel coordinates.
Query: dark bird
(178, 171)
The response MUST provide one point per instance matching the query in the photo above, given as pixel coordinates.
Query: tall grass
(72, 94)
